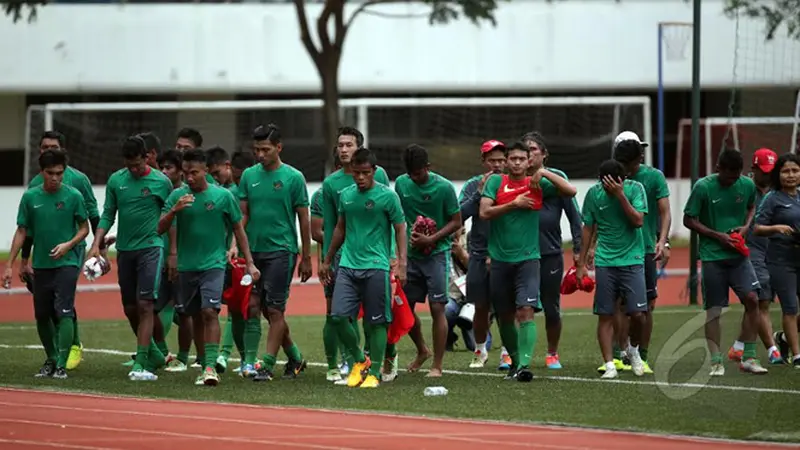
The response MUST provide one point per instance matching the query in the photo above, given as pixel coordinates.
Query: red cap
(765, 159)
(492, 145)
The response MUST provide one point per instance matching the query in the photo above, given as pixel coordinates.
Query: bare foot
(434, 373)
(419, 361)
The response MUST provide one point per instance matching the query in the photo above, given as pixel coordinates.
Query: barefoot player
(369, 213)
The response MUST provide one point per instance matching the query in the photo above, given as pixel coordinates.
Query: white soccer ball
(94, 268)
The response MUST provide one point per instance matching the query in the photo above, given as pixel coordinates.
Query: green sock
(155, 358)
(183, 356)
(167, 316)
(293, 353)
(367, 337)
(378, 335)
(237, 330)
(749, 351)
(47, 336)
(269, 362)
(331, 343)
(76, 338)
(526, 339)
(66, 334)
(227, 338)
(162, 347)
(643, 354)
(252, 339)
(716, 358)
(617, 352)
(347, 337)
(212, 351)
(141, 355)
(508, 335)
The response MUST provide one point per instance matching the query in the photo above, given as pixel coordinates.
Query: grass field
(678, 399)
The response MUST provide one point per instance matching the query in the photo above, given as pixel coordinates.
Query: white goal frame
(360, 105)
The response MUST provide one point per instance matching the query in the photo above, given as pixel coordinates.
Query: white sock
(772, 349)
(480, 348)
(633, 351)
(796, 358)
(738, 345)
(610, 365)
(503, 352)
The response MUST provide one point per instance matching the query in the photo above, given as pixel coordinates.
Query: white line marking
(53, 444)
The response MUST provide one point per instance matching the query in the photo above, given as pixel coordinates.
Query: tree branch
(322, 23)
(364, 6)
(305, 34)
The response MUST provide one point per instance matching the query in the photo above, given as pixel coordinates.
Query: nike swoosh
(506, 189)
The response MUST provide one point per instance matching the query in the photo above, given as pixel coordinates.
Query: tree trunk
(330, 108)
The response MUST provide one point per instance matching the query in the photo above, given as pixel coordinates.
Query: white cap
(628, 136)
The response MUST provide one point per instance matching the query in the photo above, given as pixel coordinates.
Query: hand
(400, 273)
(482, 181)
(421, 241)
(580, 272)
(93, 252)
(536, 178)
(60, 250)
(662, 253)
(109, 241)
(741, 230)
(7, 277)
(255, 274)
(25, 269)
(612, 185)
(172, 267)
(785, 230)
(523, 202)
(185, 201)
(304, 270)
(324, 273)
(488, 263)
(590, 259)
(726, 240)
(232, 254)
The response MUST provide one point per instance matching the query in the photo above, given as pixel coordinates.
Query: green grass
(758, 411)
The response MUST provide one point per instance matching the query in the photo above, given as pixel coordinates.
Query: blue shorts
(785, 280)
(200, 290)
(551, 272)
(514, 285)
(370, 287)
(277, 271)
(719, 277)
(428, 277)
(478, 281)
(626, 283)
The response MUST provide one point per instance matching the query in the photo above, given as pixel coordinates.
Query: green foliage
(443, 11)
(774, 13)
(16, 9)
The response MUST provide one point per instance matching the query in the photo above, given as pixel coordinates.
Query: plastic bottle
(432, 391)
(247, 280)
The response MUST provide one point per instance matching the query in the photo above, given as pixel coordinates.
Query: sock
(738, 345)
(378, 336)
(480, 348)
(347, 336)
(212, 351)
(47, 336)
(503, 351)
(141, 355)
(643, 354)
(749, 350)
(155, 358)
(76, 337)
(716, 358)
(66, 334)
(162, 347)
(508, 334)
(391, 349)
(293, 353)
(367, 339)
(252, 339)
(167, 316)
(183, 356)
(227, 338)
(237, 330)
(269, 362)
(526, 342)
(330, 343)
(617, 352)
(772, 349)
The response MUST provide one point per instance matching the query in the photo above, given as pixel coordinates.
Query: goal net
(579, 131)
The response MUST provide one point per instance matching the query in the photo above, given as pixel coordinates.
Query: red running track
(47, 420)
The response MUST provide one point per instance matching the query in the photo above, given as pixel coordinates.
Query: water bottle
(247, 280)
(432, 391)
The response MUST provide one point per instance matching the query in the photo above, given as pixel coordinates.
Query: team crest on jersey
(278, 185)
(426, 197)
(145, 192)
(369, 204)
(60, 205)
(739, 199)
(209, 205)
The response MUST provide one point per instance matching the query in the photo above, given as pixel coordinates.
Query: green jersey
(655, 188)
(138, 202)
(210, 179)
(619, 243)
(332, 187)
(316, 203)
(204, 227)
(165, 236)
(234, 189)
(369, 218)
(52, 219)
(514, 236)
(721, 209)
(77, 179)
(436, 200)
(272, 200)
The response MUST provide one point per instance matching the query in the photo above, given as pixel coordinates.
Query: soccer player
(348, 141)
(629, 151)
(493, 157)
(614, 211)
(153, 144)
(273, 198)
(514, 251)
(428, 194)
(137, 193)
(719, 204)
(779, 219)
(763, 164)
(551, 266)
(205, 215)
(188, 139)
(369, 214)
(53, 140)
(55, 215)
(240, 161)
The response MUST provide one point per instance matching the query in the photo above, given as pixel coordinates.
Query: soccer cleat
(717, 370)
(238, 370)
(390, 366)
(524, 375)
(609, 374)
(222, 364)
(511, 375)
(75, 357)
(783, 345)
(479, 360)
(505, 362)
(199, 381)
(139, 374)
(263, 374)
(210, 377)
(293, 368)
(622, 365)
(248, 371)
(342, 382)
(776, 358)
(176, 365)
(344, 369)
(637, 365)
(370, 382)
(796, 363)
(735, 355)
(358, 373)
(196, 364)
(60, 373)
(753, 366)
(333, 375)
(552, 361)
(647, 369)
(47, 370)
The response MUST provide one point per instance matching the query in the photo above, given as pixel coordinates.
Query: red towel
(740, 244)
(236, 296)
(570, 282)
(510, 189)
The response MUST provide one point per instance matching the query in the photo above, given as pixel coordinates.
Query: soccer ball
(96, 267)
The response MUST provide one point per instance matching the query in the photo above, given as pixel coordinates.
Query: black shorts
(514, 285)
(615, 283)
(370, 287)
(277, 271)
(478, 281)
(765, 292)
(167, 292)
(785, 281)
(651, 276)
(139, 274)
(551, 270)
(719, 277)
(200, 290)
(54, 292)
(428, 277)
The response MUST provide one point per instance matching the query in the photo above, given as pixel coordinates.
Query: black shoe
(783, 346)
(796, 363)
(60, 374)
(524, 375)
(293, 368)
(512, 374)
(263, 374)
(47, 370)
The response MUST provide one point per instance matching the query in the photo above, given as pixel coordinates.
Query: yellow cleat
(370, 382)
(358, 373)
(621, 366)
(647, 369)
(75, 356)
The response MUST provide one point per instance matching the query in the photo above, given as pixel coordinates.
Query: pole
(661, 97)
(695, 168)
